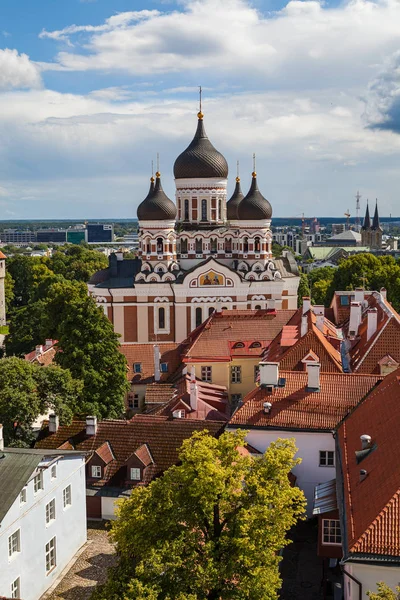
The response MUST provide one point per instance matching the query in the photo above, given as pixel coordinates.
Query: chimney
(363, 474)
(306, 304)
(319, 312)
(372, 316)
(304, 325)
(271, 304)
(53, 423)
(38, 350)
(112, 265)
(157, 374)
(49, 344)
(193, 388)
(267, 407)
(313, 376)
(358, 294)
(1, 438)
(355, 318)
(365, 441)
(91, 425)
(383, 293)
(269, 373)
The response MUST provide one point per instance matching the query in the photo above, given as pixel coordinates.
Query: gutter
(353, 579)
(112, 306)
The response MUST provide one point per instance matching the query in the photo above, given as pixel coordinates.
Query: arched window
(257, 245)
(186, 210)
(204, 216)
(224, 308)
(228, 245)
(239, 345)
(258, 307)
(148, 246)
(199, 246)
(255, 345)
(161, 318)
(246, 244)
(199, 316)
(210, 311)
(214, 248)
(160, 245)
(220, 210)
(184, 246)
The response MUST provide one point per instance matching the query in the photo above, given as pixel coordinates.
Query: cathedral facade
(199, 254)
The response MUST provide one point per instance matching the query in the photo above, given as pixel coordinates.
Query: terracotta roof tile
(170, 353)
(159, 393)
(105, 453)
(295, 407)
(372, 506)
(223, 330)
(162, 436)
(144, 455)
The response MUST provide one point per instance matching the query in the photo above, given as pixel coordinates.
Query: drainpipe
(355, 581)
(112, 307)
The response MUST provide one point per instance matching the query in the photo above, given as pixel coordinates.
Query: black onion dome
(156, 206)
(254, 206)
(200, 159)
(234, 201)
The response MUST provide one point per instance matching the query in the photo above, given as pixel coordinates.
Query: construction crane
(358, 224)
(347, 215)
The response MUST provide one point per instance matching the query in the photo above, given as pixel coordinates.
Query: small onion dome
(200, 159)
(234, 201)
(254, 206)
(156, 206)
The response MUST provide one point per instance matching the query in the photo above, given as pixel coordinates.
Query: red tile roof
(290, 356)
(217, 339)
(170, 353)
(44, 358)
(105, 453)
(294, 407)
(372, 506)
(161, 435)
(2, 255)
(159, 393)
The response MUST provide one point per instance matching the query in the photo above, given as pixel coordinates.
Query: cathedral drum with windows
(203, 253)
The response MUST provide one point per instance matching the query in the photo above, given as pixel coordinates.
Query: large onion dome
(254, 206)
(156, 206)
(234, 201)
(200, 159)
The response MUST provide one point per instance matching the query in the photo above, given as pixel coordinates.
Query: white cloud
(17, 71)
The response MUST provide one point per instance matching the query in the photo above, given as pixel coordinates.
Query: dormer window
(135, 474)
(255, 344)
(164, 367)
(137, 367)
(239, 345)
(96, 472)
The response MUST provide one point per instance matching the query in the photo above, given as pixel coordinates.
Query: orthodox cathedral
(199, 254)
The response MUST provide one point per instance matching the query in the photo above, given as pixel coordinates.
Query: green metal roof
(324, 252)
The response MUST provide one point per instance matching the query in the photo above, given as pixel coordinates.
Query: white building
(42, 518)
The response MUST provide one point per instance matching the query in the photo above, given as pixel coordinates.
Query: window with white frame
(137, 367)
(326, 458)
(331, 532)
(22, 496)
(50, 555)
(206, 374)
(38, 482)
(236, 374)
(164, 367)
(96, 471)
(135, 474)
(67, 496)
(14, 543)
(54, 472)
(50, 511)
(16, 588)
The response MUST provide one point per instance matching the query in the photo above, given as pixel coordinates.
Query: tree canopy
(384, 593)
(211, 528)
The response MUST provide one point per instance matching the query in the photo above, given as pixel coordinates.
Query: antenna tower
(358, 224)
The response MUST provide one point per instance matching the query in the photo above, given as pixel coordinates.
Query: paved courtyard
(89, 569)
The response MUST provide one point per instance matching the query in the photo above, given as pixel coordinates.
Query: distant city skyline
(91, 90)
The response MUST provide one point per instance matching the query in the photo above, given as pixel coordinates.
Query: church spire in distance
(375, 221)
(367, 220)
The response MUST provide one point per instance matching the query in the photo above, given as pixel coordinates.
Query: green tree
(211, 528)
(320, 292)
(77, 263)
(384, 593)
(9, 291)
(30, 274)
(26, 330)
(303, 289)
(89, 348)
(27, 391)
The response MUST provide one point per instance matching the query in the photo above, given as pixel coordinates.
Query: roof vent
(267, 407)
(363, 474)
(365, 441)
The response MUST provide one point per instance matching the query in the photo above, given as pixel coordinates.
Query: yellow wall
(221, 374)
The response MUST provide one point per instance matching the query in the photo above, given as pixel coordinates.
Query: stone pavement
(301, 568)
(89, 569)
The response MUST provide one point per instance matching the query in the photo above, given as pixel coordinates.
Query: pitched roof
(289, 348)
(162, 436)
(372, 506)
(144, 354)
(46, 355)
(2, 255)
(222, 330)
(295, 407)
(159, 393)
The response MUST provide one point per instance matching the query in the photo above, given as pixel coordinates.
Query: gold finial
(158, 174)
(254, 174)
(152, 172)
(200, 114)
(152, 179)
(237, 172)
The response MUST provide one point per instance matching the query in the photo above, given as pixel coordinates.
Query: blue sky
(90, 91)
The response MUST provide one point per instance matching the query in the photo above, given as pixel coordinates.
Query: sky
(92, 90)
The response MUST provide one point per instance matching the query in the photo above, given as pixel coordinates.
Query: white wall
(108, 507)
(368, 575)
(69, 527)
(308, 472)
